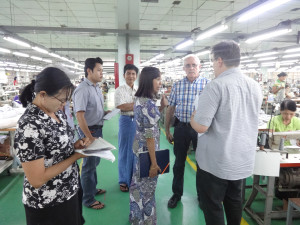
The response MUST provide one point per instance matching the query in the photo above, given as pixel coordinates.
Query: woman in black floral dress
(44, 145)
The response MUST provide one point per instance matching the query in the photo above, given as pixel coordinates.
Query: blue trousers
(125, 157)
(89, 173)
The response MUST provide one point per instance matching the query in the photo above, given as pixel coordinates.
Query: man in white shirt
(124, 101)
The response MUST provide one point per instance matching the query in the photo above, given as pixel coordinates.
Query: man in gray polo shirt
(89, 108)
(228, 118)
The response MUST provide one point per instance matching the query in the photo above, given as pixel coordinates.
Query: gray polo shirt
(89, 98)
(229, 106)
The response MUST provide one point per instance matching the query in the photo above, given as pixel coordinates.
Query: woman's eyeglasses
(61, 101)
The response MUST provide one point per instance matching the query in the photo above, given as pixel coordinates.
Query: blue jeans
(89, 173)
(125, 156)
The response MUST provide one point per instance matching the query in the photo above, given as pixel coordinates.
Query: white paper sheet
(100, 144)
(267, 163)
(108, 155)
(110, 115)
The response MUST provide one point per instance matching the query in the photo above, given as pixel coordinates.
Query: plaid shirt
(183, 96)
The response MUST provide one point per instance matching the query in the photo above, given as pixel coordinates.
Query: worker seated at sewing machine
(286, 121)
(288, 183)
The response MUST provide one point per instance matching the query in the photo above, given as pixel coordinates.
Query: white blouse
(125, 94)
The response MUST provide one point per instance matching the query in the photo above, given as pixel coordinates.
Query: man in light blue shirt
(229, 121)
(182, 104)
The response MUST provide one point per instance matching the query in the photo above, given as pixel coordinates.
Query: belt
(185, 123)
(96, 127)
(129, 116)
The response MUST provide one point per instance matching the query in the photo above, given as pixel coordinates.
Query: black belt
(96, 127)
(129, 116)
(188, 123)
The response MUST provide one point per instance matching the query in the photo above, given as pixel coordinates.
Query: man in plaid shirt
(182, 104)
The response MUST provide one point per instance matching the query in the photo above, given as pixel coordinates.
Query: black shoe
(200, 204)
(172, 203)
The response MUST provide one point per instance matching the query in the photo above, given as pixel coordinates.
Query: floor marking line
(194, 167)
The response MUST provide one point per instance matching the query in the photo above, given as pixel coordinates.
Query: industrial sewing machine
(286, 180)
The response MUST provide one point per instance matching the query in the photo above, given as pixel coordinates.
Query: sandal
(100, 191)
(124, 188)
(96, 205)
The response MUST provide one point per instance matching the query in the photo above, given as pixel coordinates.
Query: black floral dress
(40, 136)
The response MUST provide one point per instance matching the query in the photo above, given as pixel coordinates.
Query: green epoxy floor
(116, 209)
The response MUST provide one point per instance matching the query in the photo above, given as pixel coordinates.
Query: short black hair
(282, 74)
(228, 51)
(145, 89)
(288, 105)
(90, 63)
(131, 67)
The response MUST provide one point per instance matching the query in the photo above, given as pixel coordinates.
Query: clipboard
(162, 158)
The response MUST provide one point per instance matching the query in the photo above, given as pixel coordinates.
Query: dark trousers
(214, 191)
(183, 135)
(66, 213)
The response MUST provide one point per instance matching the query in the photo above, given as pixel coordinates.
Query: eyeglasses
(188, 66)
(61, 101)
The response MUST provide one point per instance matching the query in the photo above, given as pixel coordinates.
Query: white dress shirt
(125, 94)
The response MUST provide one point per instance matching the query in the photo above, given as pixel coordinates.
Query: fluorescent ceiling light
(47, 60)
(64, 58)
(289, 61)
(203, 53)
(267, 58)
(291, 56)
(212, 32)
(18, 42)
(293, 50)
(156, 57)
(246, 61)
(36, 58)
(268, 35)
(21, 54)
(260, 9)
(40, 50)
(252, 65)
(265, 54)
(5, 50)
(69, 66)
(175, 61)
(54, 55)
(286, 63)
(268, 64)
(184, 44)
(244, 57)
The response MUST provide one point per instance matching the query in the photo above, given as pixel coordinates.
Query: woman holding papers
(147, 115)
(52, 191)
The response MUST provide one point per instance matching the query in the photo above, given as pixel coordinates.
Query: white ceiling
(42, 22)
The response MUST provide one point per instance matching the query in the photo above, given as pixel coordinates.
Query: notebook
(162, 158)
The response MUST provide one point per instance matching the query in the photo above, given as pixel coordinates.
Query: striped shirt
(183, 96)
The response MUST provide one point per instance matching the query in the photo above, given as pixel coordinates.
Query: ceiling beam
(92, 31)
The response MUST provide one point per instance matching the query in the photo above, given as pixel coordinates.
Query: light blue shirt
(229, 105)
(183, 96)
(88, 98)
